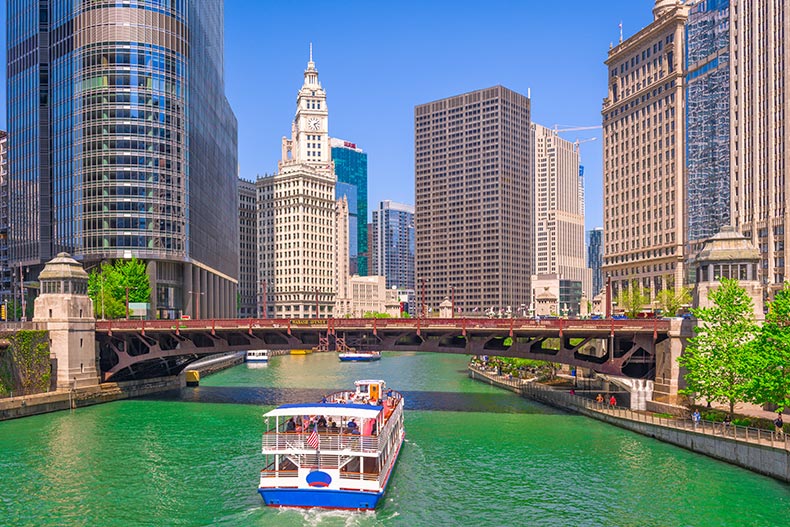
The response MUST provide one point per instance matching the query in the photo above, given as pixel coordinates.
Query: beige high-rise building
(300, 213)
(559, 209)
(473, 201)
(644, 155)
(760, 131)
(342, 300)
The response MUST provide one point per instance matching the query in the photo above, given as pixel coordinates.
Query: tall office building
(297, 212)
(351, 168)
(707, 119)
(122, 144)
(559, 212)
(264, 196)
(349, 192)
(342, 269)
(644, 161)
(392, 250)
(760, 135)
(6, 284)
(595, 259)
(473, 200)
(249, 294)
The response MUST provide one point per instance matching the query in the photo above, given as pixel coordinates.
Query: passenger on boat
(352, 427)
(290, 426)
(322, 421)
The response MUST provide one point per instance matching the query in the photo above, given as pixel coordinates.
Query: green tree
(771, 381)
(717, 359)
(131, 273)
(670, 301)
(104, 290)
(632, 299)
(375, 314)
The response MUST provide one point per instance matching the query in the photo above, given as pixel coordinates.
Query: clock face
(314, 124)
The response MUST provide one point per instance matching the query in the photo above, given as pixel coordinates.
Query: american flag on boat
(313, 440)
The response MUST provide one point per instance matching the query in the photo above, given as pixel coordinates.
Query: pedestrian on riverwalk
(612, 401)
(779, 424)
(725, 425)
(599, 399)
(695, 418)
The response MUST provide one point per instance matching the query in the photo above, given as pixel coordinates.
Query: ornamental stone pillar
(66, 311)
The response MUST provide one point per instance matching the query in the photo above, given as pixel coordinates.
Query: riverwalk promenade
(762, 451)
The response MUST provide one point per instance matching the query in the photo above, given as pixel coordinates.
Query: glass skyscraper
(595, 259)
(351, 167)
(708, 118)
(122, 144)
(392, 251)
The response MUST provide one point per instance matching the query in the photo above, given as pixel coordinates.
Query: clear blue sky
(378, 60)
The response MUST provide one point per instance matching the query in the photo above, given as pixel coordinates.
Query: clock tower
(309, 143)
(298, 251)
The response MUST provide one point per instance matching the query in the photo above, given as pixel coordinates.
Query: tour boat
(257, 356)
(336, 454)
(359, 356)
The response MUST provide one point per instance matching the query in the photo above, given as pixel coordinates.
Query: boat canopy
(362, 411)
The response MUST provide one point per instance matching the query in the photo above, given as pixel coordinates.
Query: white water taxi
(257, 356)
(336, 454)
(359, 356)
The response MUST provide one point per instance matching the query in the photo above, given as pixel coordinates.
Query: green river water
(474, 455)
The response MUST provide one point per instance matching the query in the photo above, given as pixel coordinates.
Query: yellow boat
(300, 352)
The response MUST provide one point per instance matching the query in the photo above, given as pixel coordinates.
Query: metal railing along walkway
(564, 399)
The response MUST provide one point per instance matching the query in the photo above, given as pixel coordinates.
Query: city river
(474, 455)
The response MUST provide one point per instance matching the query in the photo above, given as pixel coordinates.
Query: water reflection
(502, 402)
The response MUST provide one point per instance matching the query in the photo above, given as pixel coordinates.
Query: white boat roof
(360, 411)
(368, 381)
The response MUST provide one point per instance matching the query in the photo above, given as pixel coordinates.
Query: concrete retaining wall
(773, 461)
(13, 407)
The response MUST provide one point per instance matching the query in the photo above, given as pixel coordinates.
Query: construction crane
(567, 128)
(580, 141)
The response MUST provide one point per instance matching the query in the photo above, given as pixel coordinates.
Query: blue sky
(378, 60)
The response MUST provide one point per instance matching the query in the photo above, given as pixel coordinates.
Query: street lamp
(197, 302)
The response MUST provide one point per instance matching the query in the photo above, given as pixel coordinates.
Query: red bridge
(142, 349)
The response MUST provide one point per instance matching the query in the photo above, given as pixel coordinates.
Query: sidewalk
(563, 399)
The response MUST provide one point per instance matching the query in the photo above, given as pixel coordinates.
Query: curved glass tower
(122, 144)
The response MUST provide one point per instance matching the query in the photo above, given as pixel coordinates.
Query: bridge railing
(389, 323)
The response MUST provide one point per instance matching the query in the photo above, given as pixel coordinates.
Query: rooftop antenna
(529, 93)
(311, 45)
(621, 32)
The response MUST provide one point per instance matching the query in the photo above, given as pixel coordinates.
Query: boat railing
(279, 473)
(327, 441)
(366, 476)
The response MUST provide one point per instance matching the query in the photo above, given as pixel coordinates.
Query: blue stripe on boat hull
(325, 498)
(358, 359)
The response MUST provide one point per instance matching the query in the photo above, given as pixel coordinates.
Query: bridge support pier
(668, 374)
(65, 309)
